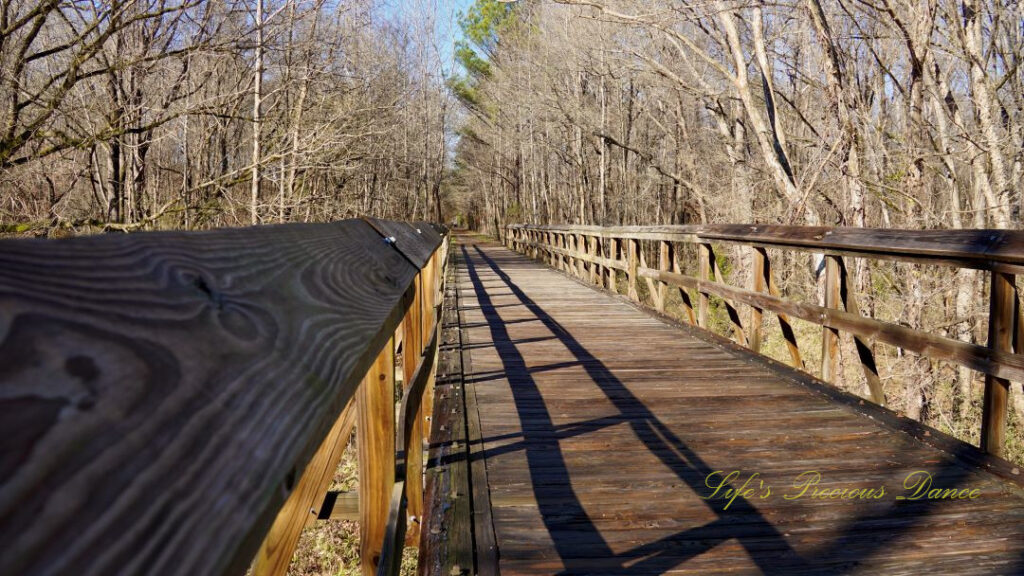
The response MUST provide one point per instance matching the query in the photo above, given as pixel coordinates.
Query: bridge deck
(601, 424)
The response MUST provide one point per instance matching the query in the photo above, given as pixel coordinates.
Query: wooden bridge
(176, 403)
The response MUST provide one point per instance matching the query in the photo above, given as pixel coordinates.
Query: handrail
(175, 402)
(599, 254)
(979, 249)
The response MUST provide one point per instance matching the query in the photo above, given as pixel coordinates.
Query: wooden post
(784, 322)
(575, 241)
(734, 315)
(303, 505)
(581, 264)
(613, 254)
(864, 351)
(563, 259)
(632, 247)
(412, 328)
(664, 262)
(704, 256)
(375, 440)
(759, 283)
(1001, 327)
(595, 274)
(830, 337)
(689, 315)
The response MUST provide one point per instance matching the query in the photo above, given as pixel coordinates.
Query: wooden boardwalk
(602, 428)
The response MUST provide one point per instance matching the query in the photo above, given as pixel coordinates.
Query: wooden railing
(178, 402)
(599, 254)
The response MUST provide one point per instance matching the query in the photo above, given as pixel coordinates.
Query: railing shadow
(763, 542)
(558, 499)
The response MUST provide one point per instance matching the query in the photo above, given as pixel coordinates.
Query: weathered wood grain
(829, 335)
(303, 507)
(375, 443)
(446, 540)
(1001, 328)
(980, 249)
(408, 443)
(161, 393)
(415, 241)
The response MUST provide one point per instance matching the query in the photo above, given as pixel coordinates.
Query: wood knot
(82, 367)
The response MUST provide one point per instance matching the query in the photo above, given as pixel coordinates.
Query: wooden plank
(408, 443)
(415, 243)
(669, 233)
(411, 359)
(391, 551)
(210, 364)
(486, 549)
(1001, 328)
(375, 442)
(340, 506)
(304, 504)
(446, 541)
(980, 249)
(969, 248)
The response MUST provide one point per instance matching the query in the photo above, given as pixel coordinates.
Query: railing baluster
(785, 324)
(734, 315)
(830, 336)
(595, 275)
(864, 351)
(652, 285)
(758, 284)
(633, 247)
(303, 505)
(664, 261)
(1002, 317)
(613, 254)
(412, 350)
(704, 256)
(375, 408)
(683, 294)
(581, 264)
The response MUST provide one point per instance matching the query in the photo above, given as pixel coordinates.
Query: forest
(118, 116)
(125, 115)
(147, 114)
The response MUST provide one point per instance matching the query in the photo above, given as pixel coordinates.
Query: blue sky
(446, 29)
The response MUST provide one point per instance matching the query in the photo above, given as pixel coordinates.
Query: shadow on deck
(605, 430)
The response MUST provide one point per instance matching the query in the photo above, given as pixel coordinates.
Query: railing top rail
(160, 393)
(966, 248)
(416, 240)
